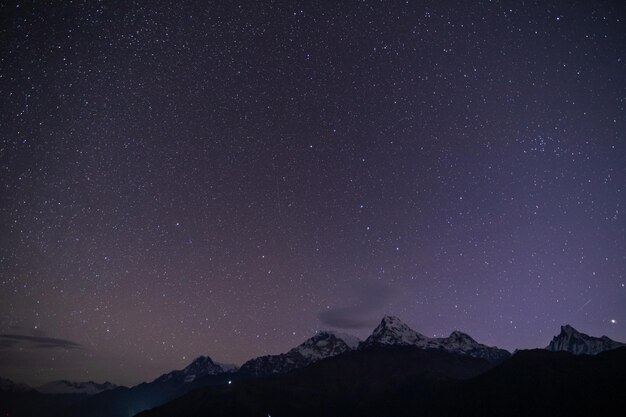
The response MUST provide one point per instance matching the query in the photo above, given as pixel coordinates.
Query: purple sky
(226, 179)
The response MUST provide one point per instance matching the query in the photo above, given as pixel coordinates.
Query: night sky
(227, 178)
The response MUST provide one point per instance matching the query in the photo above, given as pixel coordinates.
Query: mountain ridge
(392, 331)
(578, 343)
(406, 381)
(200, 366)
(63, 386)
(390, 338)
(322, 345)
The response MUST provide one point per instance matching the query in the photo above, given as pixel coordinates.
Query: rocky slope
(573, 341)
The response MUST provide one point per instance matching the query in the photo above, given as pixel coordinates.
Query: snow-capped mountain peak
(393, 322)
(573, 341)
(201, 366)
(204, 365)
(393, 331)
(322, 345)
(70, 387)
(462, 343)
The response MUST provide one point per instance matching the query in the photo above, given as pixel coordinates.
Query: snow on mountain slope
(573, 341)
(70, 387)
(459, 342)
(323, 345)
(202, 365)
(392, 331)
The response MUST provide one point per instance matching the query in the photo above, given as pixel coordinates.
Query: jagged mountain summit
(70, 387)
(201, 366)
(459, 342)
(392, 331)
(323, 345)
(573, 341)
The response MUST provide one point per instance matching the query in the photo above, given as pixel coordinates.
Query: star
(235, 182)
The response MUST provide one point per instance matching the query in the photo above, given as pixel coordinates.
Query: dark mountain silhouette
(30, 403)
(395, 371)
(344, 385)
(407, 381)
(126, 402)
(543, 383)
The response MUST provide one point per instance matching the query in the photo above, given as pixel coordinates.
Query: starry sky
(227, 178)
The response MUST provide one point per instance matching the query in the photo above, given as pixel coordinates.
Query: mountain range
(68, 387)
(458, 356)
(392, 331)
(403, 381)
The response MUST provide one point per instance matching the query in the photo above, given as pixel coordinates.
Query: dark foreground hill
(346, 385)
(33, 403)
(405, 381)
(127, 402)
(543, 383)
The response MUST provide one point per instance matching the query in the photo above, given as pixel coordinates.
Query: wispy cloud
(8, 341)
